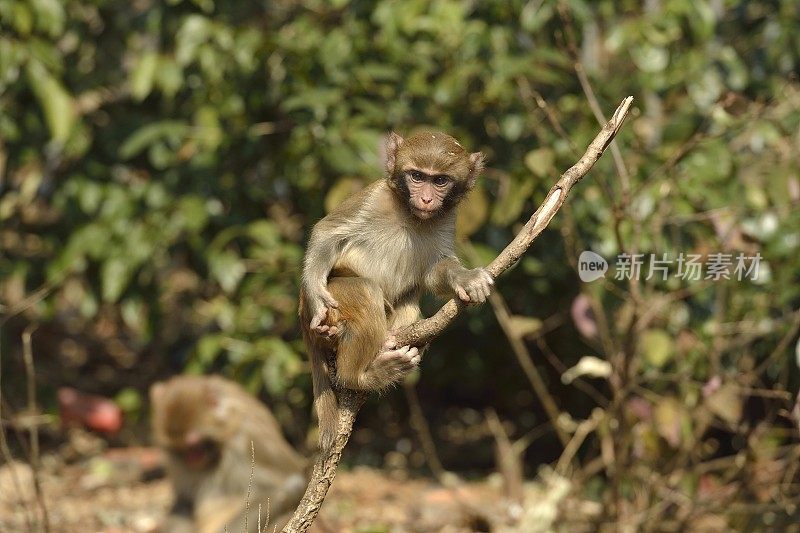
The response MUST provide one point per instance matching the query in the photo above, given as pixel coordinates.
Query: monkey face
(426, 192)
(192, 419)
(430, 171)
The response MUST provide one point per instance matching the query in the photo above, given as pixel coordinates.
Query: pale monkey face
(426, 192)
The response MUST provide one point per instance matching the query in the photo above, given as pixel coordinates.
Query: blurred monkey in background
(205, 425)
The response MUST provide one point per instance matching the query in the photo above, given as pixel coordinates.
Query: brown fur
(188, 410)
(373, 256)
(362, 322)
(435, 151)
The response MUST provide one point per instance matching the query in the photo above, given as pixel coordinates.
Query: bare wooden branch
(326, 464)
(425, 330)
(34, 458)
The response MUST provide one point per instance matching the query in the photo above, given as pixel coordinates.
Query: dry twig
(525, 361)
(35, 459)
(425, 330)
(508, 458)
(423, 429)
(5, 452)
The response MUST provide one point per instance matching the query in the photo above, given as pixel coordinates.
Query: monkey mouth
(422, 213)
(195, 457)
(201, 455)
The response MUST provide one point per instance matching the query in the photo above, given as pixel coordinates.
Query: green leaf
(55, 101)
(169, 76)
(508, 206)
(472, 213)
(128, 399)
(134, 314)
(31, 179)
(22, 18)
(341, 190)
(144, 137)
(711, 162)
(265, 233)
(228, 269)
(534, 15)
(49, 16)
(208, 348)
(8, 204)
(207, 127)
(89, 194)
(193, 32)
(512, 127)
(281, 362)
(657, 347)
(726, 403)
(193, 213)
(650, 58)
(143, 75)
(668, 419)
(114, 276)
(541, 161)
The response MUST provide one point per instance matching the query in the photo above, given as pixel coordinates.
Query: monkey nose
(426, 200)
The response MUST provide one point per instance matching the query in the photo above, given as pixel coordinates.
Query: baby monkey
(368, 261)
(205, 425)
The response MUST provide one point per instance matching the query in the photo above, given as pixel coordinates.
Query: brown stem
(34, 459)
(525, 361)
(423, 429)
(326, 464)
(423, 331)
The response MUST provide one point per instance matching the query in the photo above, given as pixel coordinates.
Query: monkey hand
(473, 286)
(320, 307)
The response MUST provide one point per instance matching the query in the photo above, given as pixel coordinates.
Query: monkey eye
(416, 176)
(440, 180)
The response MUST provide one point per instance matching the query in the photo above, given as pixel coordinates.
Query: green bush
(162, 163)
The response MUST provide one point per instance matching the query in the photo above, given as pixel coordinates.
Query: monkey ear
(390, 146)
(476, 163)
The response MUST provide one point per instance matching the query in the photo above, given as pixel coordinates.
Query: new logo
(591, 266)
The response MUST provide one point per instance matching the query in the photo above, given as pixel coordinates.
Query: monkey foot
(393, 365)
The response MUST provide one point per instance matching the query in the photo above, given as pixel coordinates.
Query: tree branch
(425, 330)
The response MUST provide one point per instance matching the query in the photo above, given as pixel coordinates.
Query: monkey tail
(325, 403)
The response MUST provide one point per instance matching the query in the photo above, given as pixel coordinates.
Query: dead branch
(525, 361)
(33, 409)
(425, 330)
(423, 429)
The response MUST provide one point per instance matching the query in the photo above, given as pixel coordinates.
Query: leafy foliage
(161, 163)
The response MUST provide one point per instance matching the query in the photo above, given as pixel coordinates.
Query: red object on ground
(89, 410)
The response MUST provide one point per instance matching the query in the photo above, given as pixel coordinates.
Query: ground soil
(124, 490)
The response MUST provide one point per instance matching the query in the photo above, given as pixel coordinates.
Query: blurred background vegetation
(161, 165)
